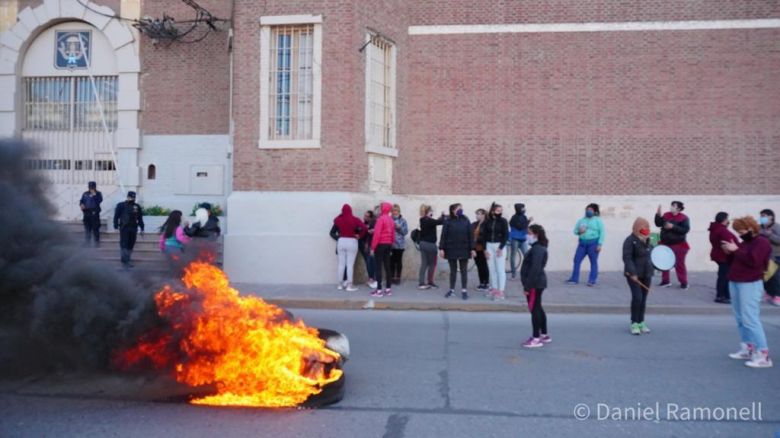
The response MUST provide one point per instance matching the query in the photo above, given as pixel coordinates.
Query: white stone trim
(625, 26)
(275, 20)
(265, 70)
(371, 146)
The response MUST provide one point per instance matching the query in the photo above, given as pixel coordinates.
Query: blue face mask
(589, 213)
(459, 212)
(763, 220)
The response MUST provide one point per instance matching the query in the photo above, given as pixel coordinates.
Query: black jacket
(494, 230)
(636, 258)
(208, 230)
(91, 203)
(457, 240)
(680, 228)
(519, 221)
(428, 228)
(532, 270)
(128, 215)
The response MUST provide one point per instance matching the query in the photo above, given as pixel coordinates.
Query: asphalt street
(437, 374)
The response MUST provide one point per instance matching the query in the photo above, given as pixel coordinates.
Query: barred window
(69, 103)
(380, 93)
(291, 89)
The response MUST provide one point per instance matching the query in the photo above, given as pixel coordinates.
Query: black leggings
(396, 263)
(482, 268)
(464, 272)
(638, 300)
(538, 317)
(382, 261)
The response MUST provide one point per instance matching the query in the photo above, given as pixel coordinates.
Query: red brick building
(309, 104)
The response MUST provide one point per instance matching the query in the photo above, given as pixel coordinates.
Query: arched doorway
(69, 88)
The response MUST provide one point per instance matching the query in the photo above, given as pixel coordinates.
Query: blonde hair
(424, 209)
(397, 207)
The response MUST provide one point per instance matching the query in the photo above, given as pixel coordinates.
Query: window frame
(372, 144)
(266, 25)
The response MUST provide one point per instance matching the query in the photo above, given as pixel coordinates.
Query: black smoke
(59, 308)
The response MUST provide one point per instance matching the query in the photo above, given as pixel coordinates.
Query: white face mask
(531, 239)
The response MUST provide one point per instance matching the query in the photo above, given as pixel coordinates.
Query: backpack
(415, 236)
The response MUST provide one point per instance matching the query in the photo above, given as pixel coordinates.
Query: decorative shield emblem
(73, 49)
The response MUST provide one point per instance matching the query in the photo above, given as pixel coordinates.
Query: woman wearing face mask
(534, 282)
(638, 269)
(457, 246)
(399, 244)
(493, 235)
(771, 231)
(428, 248)
(749, 261)
(674, 227)
(479, 257)
(719, 232)
(590, 230)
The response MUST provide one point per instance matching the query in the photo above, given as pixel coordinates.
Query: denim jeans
(746, 303)
(496, 266)
(586, 248)
(514, 244)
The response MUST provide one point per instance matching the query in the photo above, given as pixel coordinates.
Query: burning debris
(249, 350)
(62, 311)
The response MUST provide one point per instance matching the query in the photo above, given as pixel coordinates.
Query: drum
(662, 257)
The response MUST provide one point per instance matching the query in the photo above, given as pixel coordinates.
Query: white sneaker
(340, 287)
(351, 288)
(760, 359)
(744, 353)
(371, 284)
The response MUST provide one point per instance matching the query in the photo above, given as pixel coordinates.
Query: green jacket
(594, 229)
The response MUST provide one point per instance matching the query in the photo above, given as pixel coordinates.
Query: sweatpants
(496, 266)
(464, 272)
(428, 258)
(679, 250)
(347, 249)
(638, 299)
(482, 268)
(382, 264)
(396, 263)
(538, 316)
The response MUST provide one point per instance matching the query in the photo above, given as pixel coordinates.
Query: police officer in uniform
(90, 207)
(128, 218)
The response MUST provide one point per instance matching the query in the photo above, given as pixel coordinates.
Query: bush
(216, 210)
(156, 210)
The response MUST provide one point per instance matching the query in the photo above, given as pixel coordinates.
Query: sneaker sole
(533, 346)
(752, 365)
(735, 357)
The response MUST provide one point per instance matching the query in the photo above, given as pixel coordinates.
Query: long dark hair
(493, 208)
(541, 235)
(595, 208)
(453, 208)
(170, 225)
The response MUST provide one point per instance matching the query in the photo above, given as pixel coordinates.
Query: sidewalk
(610, 295)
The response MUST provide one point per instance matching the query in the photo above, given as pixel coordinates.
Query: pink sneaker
(546, 339)
(775, 301)
(533, 343)
(388, 292)
(377, 293)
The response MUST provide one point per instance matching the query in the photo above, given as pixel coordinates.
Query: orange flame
(244, 346)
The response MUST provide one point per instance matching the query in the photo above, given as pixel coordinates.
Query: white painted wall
(282, 237)
(178, 158)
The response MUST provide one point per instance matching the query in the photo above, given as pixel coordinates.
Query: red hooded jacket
(348, 225)
(384, 230)
(720, 233)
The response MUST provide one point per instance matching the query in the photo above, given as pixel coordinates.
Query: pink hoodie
(384, 229)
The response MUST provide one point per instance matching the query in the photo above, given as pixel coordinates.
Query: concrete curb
(516, 307)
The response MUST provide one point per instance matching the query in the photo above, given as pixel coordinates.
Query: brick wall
(691, 112)
(185, 87)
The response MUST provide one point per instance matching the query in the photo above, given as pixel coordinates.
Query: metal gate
(63, 119)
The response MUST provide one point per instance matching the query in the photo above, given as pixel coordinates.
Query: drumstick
(638, 282)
